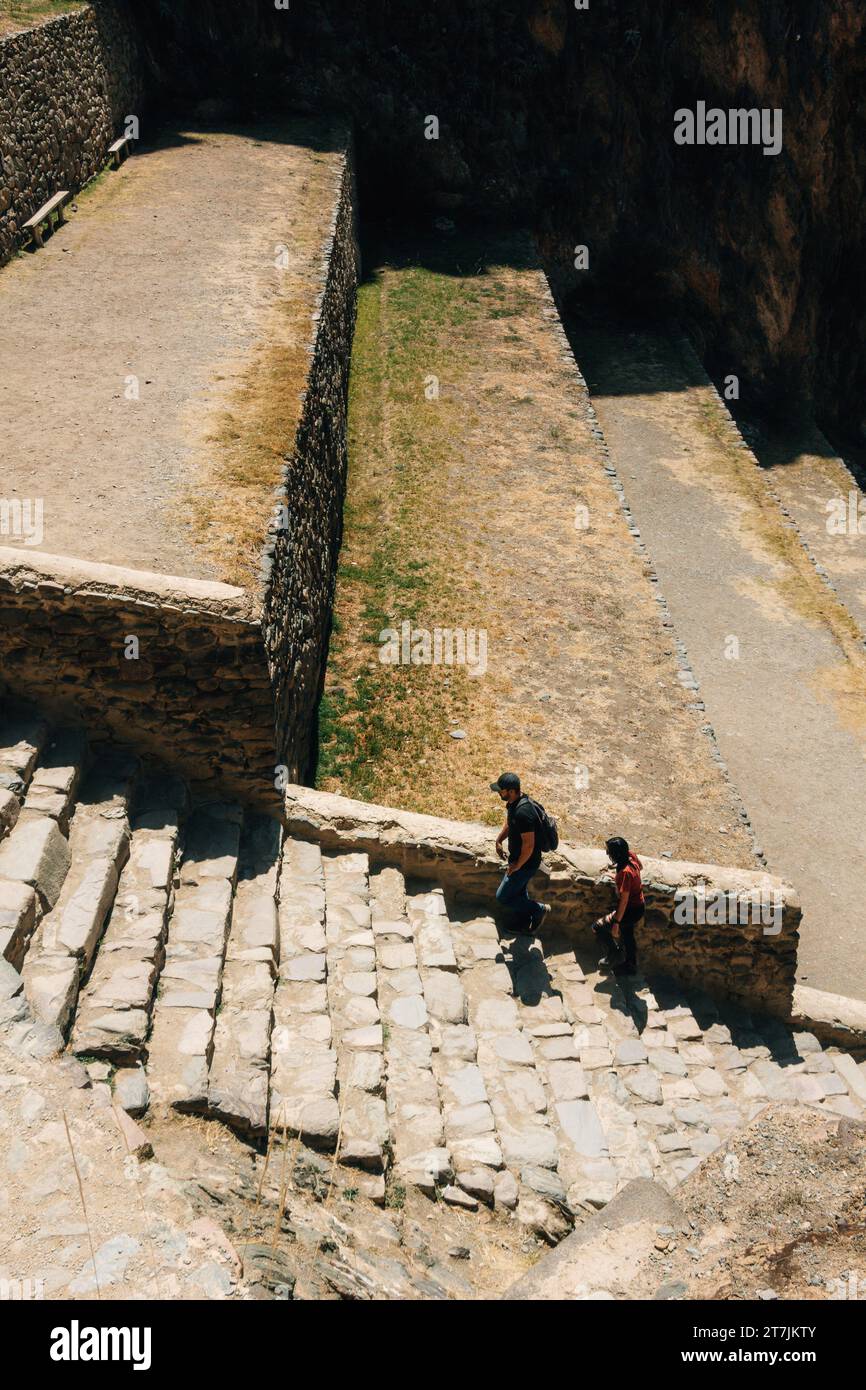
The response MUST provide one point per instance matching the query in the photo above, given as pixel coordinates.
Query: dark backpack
(548, 835)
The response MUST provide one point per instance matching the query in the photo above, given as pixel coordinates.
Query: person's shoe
(525, 929)
(539, 921)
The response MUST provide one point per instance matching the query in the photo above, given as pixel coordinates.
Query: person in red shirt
(629, 908)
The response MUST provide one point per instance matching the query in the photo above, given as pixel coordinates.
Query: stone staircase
(220, 968)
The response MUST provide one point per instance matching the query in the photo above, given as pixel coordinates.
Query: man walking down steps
(524, 855)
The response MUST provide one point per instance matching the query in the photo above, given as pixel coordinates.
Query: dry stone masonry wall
(199, 692)
(299, 563)
(65, 89)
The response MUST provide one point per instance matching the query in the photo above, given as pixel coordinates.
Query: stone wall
(563, 118)
(197, 695)
(742, 962)
(300, 562)
(66, 88)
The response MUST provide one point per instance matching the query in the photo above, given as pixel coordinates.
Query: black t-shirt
(521, 820)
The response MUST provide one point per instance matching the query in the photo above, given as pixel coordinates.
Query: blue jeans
(512, 895)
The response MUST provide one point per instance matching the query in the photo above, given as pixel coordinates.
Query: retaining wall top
(86, 580)
(339, 821)
(752, 960)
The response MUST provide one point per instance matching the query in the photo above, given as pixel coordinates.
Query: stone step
(65, 941)
(114, 1010)
(239, 1077)
(634, 1075)
(35, 855)
(36, 850)
(471, 1136)
(353, 989)
(19, 914)
(764, 1060)
(672, 1074)
(572, 1067)
(697, 1108)
(301, 993)
(56, 778)
(22, 738)
(303, 1100)
(420, 1155)
(713, 1077)
(530, 1150)
(180, 1047)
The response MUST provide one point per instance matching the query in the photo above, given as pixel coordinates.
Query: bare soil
(778, 1210)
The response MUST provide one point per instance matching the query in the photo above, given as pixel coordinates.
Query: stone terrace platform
(173, 378)
(126, 339)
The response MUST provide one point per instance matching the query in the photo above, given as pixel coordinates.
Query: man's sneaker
(538, 921)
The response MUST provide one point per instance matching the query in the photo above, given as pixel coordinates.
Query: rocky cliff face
(565, 118)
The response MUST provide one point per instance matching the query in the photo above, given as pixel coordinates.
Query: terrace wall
(66, 88)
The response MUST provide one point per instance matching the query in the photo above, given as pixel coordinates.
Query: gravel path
(786, 710)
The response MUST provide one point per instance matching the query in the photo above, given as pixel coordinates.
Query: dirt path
(470, 453)
(133, 345)
(777, 659)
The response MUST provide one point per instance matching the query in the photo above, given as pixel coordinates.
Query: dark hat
(509, 781)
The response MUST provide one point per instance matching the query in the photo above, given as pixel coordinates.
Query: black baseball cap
(509, 781)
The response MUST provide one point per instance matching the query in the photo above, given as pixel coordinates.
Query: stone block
(37, 853)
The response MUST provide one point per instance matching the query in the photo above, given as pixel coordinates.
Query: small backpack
(548, 835)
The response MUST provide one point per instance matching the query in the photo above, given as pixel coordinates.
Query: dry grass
(17, 15)
(800, 588)
(461, 513)
(251, 435)
(386, 730)
(250, 442)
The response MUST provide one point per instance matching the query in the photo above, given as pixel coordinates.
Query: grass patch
(16, 15)
(94, 185)
(395, 1196)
